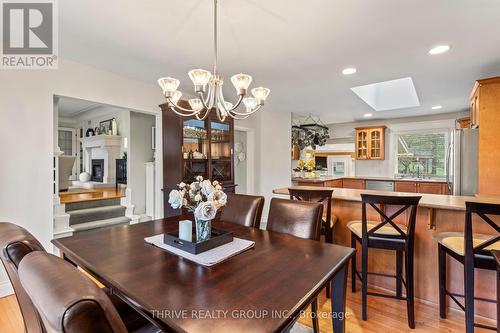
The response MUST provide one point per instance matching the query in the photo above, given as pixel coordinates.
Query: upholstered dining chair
(243, 209)
(66, 300)
(300, 219)
(15, 244)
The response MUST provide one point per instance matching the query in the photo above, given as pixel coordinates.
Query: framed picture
(105, 126)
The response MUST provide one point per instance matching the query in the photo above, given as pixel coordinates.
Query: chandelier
(211, 96)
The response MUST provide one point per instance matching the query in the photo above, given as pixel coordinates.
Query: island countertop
(389, 179)
(438, 201)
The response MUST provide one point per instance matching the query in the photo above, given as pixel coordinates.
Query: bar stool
(323, 196)
(386, 235)
(473, 251)
(496, 255)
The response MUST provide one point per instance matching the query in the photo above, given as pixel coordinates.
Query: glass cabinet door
(194, 149)
(220, 151)
(375, 144)
(362, 144)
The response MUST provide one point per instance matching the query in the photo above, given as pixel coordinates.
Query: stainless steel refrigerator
(462, 162)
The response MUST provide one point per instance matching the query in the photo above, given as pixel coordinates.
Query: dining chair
(15, 244)
(473, 251)
(387, 235)
(300, 219)
(242, 209)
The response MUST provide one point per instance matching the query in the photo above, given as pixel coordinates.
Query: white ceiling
(71, 107)
(296, 48)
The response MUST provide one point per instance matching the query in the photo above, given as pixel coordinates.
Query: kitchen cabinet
(410, 187)
(474, 106)
(464, 122)
(358, 184)
(421, 187)
(370, 143)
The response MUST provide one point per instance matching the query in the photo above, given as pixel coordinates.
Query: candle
(186, 230)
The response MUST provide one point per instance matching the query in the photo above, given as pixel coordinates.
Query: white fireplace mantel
(106, 147)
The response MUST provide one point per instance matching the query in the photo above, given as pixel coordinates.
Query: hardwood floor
(92, 195)
(384, 315)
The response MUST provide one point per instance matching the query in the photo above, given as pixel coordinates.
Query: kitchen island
(436, 213)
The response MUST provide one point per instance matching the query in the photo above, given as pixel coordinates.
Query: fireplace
(97, 173)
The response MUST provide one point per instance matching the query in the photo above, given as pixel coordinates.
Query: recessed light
(349, 71)
(368, 115)
(439, 49)
(437, 107)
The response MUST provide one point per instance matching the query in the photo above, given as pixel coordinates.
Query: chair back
(297, 218)
(407, 203)
(482, 210)
(243, 209)
(66, 300)
(15, 244)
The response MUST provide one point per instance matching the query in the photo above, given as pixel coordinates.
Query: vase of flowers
(203, 198)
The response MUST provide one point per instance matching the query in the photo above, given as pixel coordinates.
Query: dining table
(264, 289)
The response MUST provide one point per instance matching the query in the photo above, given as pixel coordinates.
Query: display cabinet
(370, 143)
(193, 147)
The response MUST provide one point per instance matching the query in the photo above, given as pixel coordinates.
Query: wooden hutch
(193, 147)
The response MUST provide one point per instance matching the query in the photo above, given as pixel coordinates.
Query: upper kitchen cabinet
(370, 143)
(485, 111)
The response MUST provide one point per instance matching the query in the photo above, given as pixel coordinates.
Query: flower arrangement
(203, 198)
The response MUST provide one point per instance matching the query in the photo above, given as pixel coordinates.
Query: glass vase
(203, 230)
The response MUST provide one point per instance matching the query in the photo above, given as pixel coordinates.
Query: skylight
(389, 95)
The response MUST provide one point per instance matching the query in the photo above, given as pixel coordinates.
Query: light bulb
(241, 82)
(250, 103)
(169, 85)
(196, 104)
(200, 78)
(261, 94)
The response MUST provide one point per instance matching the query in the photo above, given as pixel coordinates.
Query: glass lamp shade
(241, 82)
(196, 104)
(200, 77)
(228, 105)
(168, 84)
(176, 95)
(260, 93)
(250, 103)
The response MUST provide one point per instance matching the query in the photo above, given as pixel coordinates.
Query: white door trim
(250, 157)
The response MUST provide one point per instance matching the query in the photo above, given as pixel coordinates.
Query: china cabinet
(193, 147)
(370, 142)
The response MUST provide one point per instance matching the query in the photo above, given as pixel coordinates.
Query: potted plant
(203, 198)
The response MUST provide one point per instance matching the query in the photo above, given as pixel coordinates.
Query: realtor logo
(29, 39)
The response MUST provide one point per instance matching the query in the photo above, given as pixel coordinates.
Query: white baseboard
(6, 289)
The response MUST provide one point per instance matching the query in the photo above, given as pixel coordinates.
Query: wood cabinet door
(430, 188)
(405, 187)
(362, 144)
(376, 144)
(474, 108)
(357, 184)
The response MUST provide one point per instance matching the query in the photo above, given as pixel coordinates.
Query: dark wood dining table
(264, 289)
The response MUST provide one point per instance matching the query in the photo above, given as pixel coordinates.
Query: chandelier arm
(246, 113)
(204, 116)
(173, 106)
(208, 102)
(240, 99)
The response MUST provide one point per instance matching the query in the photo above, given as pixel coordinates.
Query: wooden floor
(92, 195)
(384, 315)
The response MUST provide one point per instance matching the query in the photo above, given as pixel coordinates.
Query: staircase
(88, 215)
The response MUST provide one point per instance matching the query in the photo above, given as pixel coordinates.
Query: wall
(345, 132)
(240, 169)
(26, 115)
(272, 153)
(140, 151)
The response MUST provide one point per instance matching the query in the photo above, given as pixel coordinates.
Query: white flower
(182, 185)
(215, 183)
(199, 178)
(195, 186)
(205, 211)
(218, 187)
(176, 199)
(198, 197)
(206, 187)
(219, 198)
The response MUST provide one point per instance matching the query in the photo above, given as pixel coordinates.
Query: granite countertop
(392, 179)
(438, 201)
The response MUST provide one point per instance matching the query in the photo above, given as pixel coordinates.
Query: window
(422, 154)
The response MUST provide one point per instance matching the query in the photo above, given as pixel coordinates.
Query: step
(91, 204)
(95, 214)
(107, 223)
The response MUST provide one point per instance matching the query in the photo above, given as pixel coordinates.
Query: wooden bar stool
(496, 255)
(323, 196)
(386, 235)
(473, 251)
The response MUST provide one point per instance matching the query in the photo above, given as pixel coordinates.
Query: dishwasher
(380, 185)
